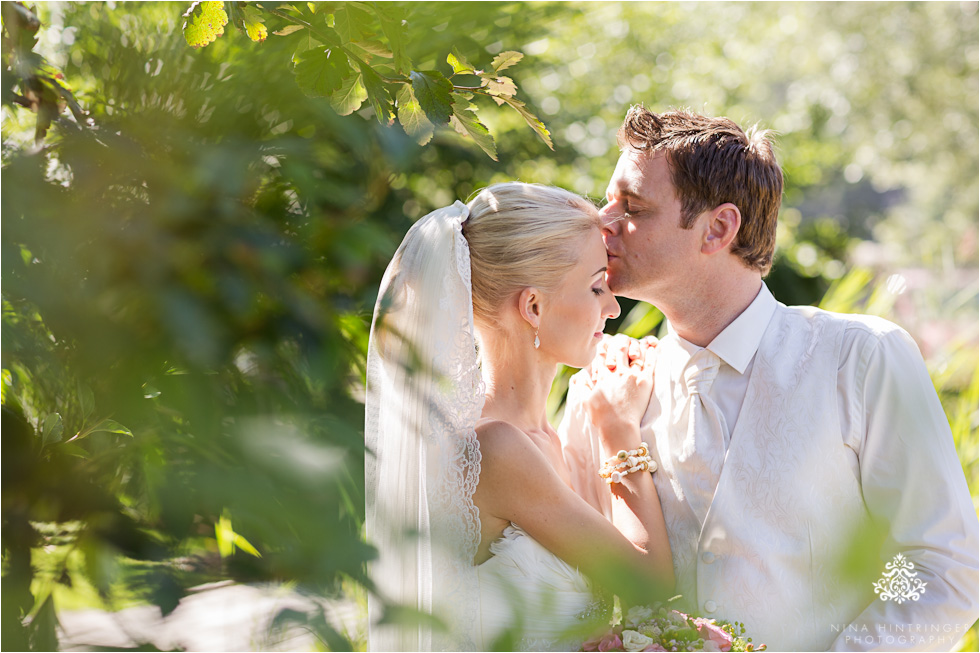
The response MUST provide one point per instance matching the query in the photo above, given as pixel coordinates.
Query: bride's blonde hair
(523, 235)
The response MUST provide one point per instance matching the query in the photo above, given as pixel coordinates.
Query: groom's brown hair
(713, 161)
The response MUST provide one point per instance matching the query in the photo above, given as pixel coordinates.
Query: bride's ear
(529, 306)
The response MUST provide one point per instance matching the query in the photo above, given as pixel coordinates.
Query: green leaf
(105, 426)
(531, 120)
(377, 94)
(351, 22)
(391, 16)
(254, 27)
(372, 48)
(289, 29)
(412, 117)
(43, 628)
(464, 121)
(228, 539)
(433, 92)
(505, 60)
(459, 63)
(111, 426)
(320, 72)
(247, 19)
(52, 430)
(349, 97)
(6, 386)
(86, 400)
(205, 22)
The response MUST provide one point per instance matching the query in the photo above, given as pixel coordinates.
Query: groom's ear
(723, 224)
(529, 305)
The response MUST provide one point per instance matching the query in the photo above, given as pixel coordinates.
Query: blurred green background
(189, 269)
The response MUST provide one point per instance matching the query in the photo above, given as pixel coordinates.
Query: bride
(482, 542)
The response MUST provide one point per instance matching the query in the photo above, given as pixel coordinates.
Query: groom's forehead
(628, 177)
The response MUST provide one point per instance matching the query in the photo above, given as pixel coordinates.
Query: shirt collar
(738, 342)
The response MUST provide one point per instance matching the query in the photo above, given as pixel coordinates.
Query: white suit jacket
(798, 508)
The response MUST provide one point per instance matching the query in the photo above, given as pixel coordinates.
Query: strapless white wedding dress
(526, 587)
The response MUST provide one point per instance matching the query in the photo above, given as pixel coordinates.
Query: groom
(786, 437)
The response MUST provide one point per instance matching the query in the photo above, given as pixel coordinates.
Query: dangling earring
(537, 341)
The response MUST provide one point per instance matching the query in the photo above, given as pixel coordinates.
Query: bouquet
(657, 628)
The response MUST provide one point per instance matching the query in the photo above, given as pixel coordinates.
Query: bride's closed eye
(598, 292)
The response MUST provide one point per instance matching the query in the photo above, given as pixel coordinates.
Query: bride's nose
(611, 308)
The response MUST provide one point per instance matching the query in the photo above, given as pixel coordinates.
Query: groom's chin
(619, 287)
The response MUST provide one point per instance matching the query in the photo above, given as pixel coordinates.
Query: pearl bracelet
(625, 462)
(643, 450)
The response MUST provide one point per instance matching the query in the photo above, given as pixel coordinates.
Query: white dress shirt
(895, 463)
(735, 346)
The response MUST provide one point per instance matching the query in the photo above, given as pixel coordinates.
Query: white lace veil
(424, 397)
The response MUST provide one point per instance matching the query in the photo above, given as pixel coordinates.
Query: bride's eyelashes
(598, 292)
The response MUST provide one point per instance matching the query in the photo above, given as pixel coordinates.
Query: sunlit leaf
(465, 122)
(289, 29)
(532, 120)
(433, 92)
(204, 22)
(641, 321)
(5, 382)
(254, 27)
(501, 86)
(412, 117)
(228, 540)
(350, 96)
(112, 426)
(459, 63)
(505, 60)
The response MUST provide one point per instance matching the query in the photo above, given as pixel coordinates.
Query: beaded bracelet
(625, 462)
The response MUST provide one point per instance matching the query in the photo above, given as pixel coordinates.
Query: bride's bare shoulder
(501, 440)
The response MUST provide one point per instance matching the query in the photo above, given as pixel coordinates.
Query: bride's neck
(518, 381)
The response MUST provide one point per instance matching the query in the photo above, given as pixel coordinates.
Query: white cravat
(700, 426)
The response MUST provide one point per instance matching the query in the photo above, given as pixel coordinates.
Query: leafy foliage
(191, 261)
(28, 80)
(348, 40)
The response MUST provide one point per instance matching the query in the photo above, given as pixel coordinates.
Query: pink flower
(655, 647)
(611, 642)
(711, 632)
(591, 644)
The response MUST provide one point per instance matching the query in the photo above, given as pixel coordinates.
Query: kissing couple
(731, 463)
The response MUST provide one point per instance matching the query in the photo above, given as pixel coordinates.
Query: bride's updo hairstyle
(523, 235)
